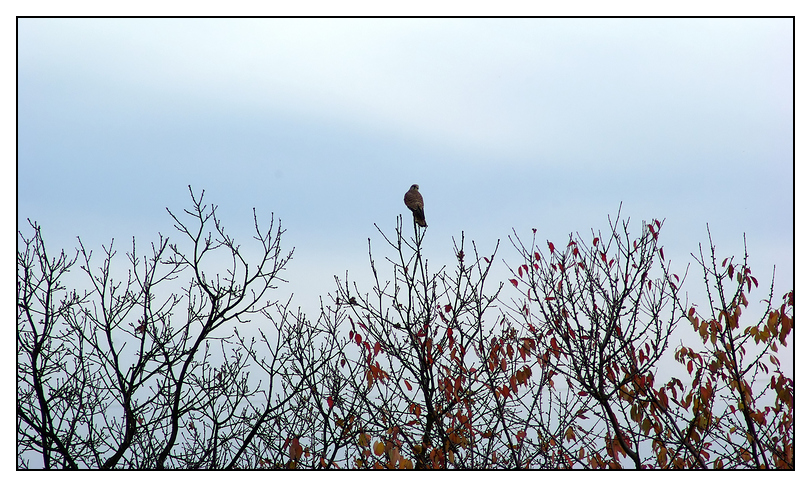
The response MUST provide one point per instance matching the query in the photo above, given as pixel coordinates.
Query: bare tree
(133, 373)
(183, 358)
(439, 379)
(48, 393)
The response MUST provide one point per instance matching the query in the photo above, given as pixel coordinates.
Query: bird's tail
(419, 218)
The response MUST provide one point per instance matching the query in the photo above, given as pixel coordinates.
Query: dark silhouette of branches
(183, 357)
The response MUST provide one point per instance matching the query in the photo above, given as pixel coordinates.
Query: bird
(413, 200)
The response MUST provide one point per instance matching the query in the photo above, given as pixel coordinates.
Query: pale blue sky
(525, 123)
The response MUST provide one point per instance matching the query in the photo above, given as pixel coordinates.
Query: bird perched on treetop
(413, 200)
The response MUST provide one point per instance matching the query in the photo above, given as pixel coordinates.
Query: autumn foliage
(588, 355)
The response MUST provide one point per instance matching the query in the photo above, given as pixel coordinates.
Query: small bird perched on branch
(413, 200)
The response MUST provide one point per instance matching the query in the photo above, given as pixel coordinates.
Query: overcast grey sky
(504, 123)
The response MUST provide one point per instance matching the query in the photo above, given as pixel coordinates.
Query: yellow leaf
(774, 316)
(379, 448)
(394, 455)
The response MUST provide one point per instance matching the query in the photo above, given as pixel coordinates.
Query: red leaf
(377, 348)
(295, 449)
(448, 308)
(595, 241)
(514, 282)
(520, 271)
(358, 338)
(602, 256)
(551, 247)
(537, 256)
(487, 260)
(408, 385)
(550, 298)
(330, 402)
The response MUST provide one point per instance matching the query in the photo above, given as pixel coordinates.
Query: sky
(504, 123)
